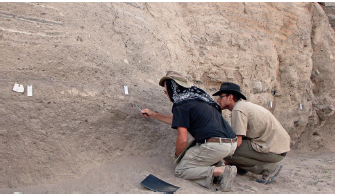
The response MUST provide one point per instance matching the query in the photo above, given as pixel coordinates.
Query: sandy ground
(303, 173)
(77, 56)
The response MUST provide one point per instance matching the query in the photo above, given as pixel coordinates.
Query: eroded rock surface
(78, 57)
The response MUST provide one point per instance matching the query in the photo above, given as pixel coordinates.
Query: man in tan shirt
(262, 141)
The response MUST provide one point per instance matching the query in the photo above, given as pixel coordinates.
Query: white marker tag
(301, 106)
(126, 91)
(30, 91)
(271, 104)
(18, 88)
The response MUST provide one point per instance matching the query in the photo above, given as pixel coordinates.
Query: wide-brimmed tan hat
(177, 77)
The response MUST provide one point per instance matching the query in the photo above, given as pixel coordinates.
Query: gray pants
(200, 160)
(247, 158)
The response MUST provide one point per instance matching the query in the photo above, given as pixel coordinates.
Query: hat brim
(236, 92)
(186, 84)
(217, 93)
(161, 81)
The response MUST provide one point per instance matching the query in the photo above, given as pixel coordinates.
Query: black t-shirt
(202, 121)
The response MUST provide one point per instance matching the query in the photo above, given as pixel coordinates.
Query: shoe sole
(229, 179)
(271, 179)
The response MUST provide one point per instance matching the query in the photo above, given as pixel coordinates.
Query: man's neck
(231, 106)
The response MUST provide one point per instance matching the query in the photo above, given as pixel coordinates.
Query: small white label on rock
(18, 88)
(126, 91)
(30, 91)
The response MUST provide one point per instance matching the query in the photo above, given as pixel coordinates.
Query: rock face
(329, 9)
(79, 56)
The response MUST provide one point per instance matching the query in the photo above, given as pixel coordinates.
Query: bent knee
(179, 172)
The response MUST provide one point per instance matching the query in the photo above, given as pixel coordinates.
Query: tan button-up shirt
(261, 127)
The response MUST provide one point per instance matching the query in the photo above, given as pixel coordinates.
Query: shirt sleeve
(239, 123)
(180, 118)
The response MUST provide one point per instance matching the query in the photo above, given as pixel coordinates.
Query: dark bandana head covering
(179, 94)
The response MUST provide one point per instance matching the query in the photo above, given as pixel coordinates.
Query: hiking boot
(226, 179)
(267, 179)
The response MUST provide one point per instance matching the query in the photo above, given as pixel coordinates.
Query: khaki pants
(247, 158)
(199, 161)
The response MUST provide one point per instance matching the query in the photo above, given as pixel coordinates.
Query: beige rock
(78, 56)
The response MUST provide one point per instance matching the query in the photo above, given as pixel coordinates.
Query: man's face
(224, 101)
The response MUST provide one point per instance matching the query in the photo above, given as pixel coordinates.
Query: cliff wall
(79, 56)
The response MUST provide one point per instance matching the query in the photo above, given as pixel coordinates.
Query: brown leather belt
(221, 140)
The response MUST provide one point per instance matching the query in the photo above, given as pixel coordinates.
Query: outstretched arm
(161, 117)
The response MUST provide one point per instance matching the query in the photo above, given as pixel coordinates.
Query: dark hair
(169, 89)
(236, 96)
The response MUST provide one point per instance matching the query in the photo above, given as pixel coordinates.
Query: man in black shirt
(205, 117)
(195, 112)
